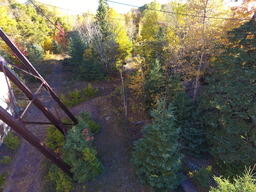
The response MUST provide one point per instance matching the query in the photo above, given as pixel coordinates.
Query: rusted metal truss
(17, 123)
(18, 126)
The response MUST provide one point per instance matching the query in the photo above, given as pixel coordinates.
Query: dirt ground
(113, 144)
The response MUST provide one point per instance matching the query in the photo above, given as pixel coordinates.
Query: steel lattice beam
(17, 124)
(32, 70)
(19, 127)
(33, 98)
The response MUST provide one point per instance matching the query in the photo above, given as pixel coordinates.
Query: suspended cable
(45, 16)
(176, 13)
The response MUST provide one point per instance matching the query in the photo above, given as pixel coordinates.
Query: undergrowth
(77, 96)
(12, 141)
(202, 177)
(5, 160)
(2, 181)
(77, 150)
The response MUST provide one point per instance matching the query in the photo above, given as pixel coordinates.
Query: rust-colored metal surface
(19, 127)
(32, 70)
(17, 123)
(33, 97)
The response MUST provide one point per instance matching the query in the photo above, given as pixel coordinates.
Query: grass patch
(57, 180)
(77, 96)
(12, 141)
(55, 139)
(5, 160)
(2, 181)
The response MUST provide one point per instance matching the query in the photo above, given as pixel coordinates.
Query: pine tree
(188, 118)
(157, 156)
(101, 17)
(244, 183)
(229, 103)
(192, 130)
(76, 48)
(154, 85)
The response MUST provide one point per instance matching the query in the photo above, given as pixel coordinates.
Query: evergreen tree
(188, 118)
(244, 183)
(229, 103)
(157, 156)
(101, 18)
(192, 130)
(90, 68)
(154, 86)
(83, 59)
(76, 48)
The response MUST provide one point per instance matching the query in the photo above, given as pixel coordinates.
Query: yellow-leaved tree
(123, 46)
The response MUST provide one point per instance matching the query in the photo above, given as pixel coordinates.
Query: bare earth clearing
(113, 145)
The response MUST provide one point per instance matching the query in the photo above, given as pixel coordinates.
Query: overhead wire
(45, 16)
(130, 5)
(176, 13)
(51, 22)
(125, 4)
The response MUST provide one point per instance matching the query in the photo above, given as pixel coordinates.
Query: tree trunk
(201, 62)
(123, 93)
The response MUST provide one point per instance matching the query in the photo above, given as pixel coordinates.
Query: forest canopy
(188, 68)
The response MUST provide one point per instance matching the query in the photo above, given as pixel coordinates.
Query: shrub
(56, 48)
(202, 176)
(55, 139)
(87, 167)
(157, 155)
(79, 154)
(5, 160)
(77, 151)
(244, 183)
(90, 91)
(78, 96)
(47, 44)
(60, 181)
(2, 181)
(35, 52)
(93, 126)
(11, 141)
(56, 179)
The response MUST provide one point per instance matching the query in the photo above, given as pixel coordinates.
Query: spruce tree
(192, 130)
(101, 18)
(154, 85)
(229, 103)
(157, 156)
(188, 118)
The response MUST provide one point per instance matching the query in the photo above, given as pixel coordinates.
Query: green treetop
(157, 156)
(228, 101)
(101, 17)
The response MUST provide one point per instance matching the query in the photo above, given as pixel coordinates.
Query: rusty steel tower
(17, 122)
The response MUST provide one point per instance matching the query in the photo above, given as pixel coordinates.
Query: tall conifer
(229, 100)
(157, 156)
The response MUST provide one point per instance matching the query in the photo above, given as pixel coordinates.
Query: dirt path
(112, 143)
(113, 146)
(26, 173)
